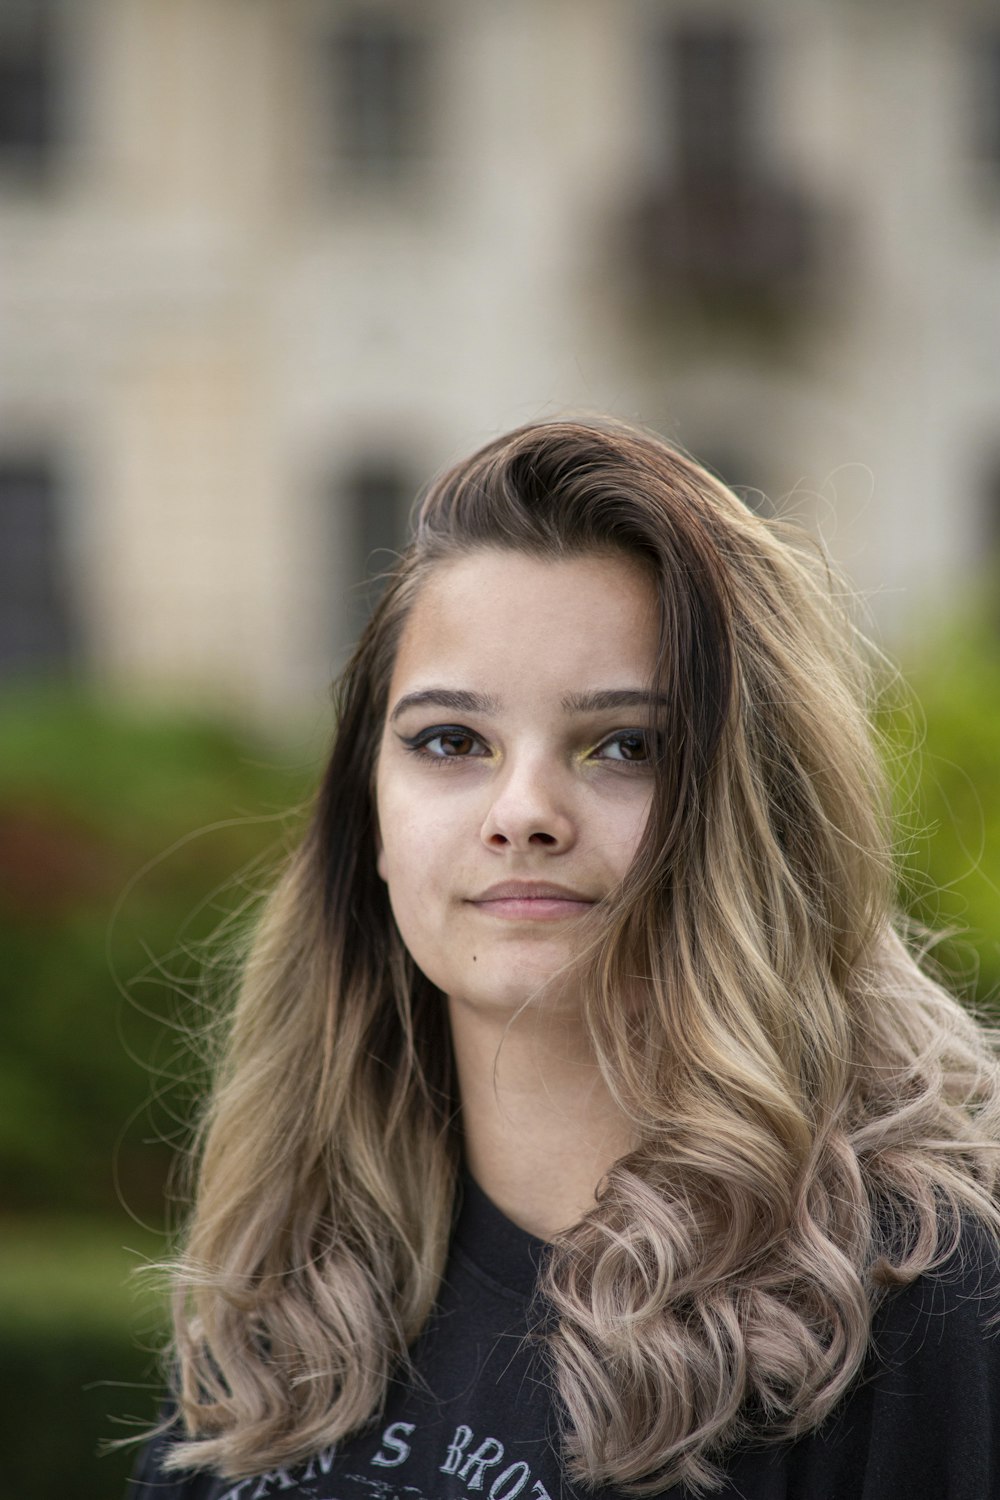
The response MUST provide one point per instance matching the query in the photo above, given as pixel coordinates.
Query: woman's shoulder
(923, 1418)
(958, 1296)
(933, 1397)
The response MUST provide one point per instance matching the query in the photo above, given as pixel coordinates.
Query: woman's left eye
(455, 744)
(631, 746)
(445, 742)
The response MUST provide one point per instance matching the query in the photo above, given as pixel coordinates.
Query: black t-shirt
(922, 1422)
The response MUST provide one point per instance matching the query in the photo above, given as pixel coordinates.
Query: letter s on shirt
(393, 1439)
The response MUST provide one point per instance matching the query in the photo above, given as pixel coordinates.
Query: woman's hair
(814, 1116)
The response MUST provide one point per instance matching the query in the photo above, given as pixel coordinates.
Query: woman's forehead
(492, 621)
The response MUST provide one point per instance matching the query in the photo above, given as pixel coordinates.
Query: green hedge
(131, 845)
(949, 800)
(59, 1392)
(78, 1355)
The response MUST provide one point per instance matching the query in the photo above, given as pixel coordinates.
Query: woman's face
(513, 779)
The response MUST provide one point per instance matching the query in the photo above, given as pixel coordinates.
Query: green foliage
(78, 1355)
(133, 845)
(58, 1392)
(950, 802)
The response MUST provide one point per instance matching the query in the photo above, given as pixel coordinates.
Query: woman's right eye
(450, 743)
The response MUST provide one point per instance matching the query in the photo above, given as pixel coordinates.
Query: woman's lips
(531, 901)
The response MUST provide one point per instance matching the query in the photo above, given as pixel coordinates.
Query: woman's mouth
(531, 901)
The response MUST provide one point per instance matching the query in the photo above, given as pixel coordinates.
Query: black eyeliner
(423, 735)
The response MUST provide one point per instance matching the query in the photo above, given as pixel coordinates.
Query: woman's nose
(529, 809)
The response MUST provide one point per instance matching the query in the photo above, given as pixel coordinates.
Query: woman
(583, 1121)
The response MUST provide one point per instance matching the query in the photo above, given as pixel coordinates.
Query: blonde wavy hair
(816, 1116)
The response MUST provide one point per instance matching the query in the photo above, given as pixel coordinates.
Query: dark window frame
(984, 49)
(376, 490)
(379, 66)
(39, 628)
(713, 64)
(32, 90)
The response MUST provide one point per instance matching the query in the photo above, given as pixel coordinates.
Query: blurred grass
(56, 1270)
(79, 1345)
(946, 730)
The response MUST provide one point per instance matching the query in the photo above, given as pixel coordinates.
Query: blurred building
(267, 264)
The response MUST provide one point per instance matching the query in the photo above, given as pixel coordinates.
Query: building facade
(265, 265)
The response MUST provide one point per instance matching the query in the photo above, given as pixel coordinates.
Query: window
(714, 98)
(377, 493)
(380, 67)
(716, 227)
(28, 130)
(36, 624)
(986, 96)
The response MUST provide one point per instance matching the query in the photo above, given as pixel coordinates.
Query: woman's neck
(539, 1123)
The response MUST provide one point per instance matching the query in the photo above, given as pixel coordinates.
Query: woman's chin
(511, 988)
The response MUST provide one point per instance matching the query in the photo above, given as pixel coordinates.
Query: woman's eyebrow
(442, 697)
(595, 702)
(461, 701)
